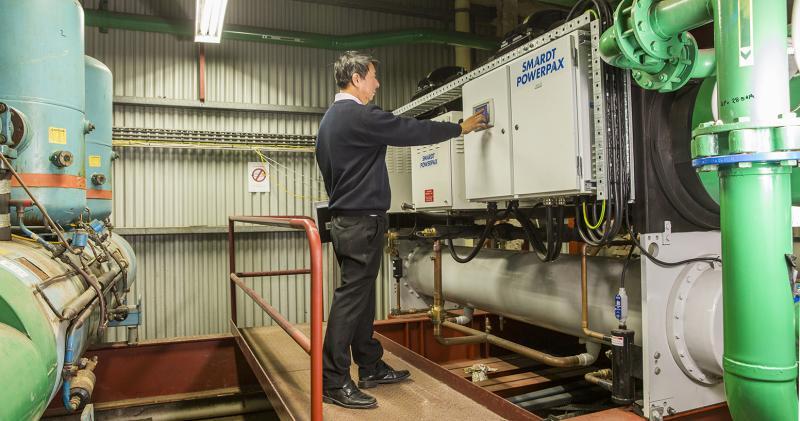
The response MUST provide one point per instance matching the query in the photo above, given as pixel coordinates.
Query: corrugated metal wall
(182, 277)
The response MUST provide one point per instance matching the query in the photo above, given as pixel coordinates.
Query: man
(351, 153)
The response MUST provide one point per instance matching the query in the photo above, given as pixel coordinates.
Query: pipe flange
(676, 71)
(790, 158)
(628, 43)
(676, 317)
(649, 41)
(740, 123)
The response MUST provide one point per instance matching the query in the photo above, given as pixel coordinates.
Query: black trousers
(358, 243)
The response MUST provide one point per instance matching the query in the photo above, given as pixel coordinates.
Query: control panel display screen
(487, 109)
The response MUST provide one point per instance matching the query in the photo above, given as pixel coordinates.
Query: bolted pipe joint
(651, 39)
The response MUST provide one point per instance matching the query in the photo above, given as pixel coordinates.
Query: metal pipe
(232, 269)
(273, 273)
(559, 399)
(436, 312)
(580, 360)
(105, 19)
(550, 391)
(585, 301)
(80, 302)
(600, 378)
(5, 210)
(283, 322)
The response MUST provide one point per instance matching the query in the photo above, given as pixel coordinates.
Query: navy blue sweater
(351, 153)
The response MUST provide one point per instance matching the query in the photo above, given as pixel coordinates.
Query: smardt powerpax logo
(540, 66)
(428, 160)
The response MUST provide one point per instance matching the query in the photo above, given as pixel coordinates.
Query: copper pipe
(436, 312)
(462, 340)
(600, 378)
(579, 360)
(585, 301)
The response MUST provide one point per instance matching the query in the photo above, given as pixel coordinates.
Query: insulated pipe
(104, 19)
(464, 319)
(519, 286)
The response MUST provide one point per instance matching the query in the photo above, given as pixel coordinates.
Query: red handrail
(312, 346)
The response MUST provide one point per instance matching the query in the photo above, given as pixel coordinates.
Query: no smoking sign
(257, 177)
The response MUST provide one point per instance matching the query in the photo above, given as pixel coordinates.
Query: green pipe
(760, 353)
(671, 17)
(752, 65)
(104, 19)
(758, 315)
(28, 353)
(705, 65)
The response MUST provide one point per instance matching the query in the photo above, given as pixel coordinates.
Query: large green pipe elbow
(651, 39)
(104, 19)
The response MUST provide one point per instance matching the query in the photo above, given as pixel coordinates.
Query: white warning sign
(257, 177)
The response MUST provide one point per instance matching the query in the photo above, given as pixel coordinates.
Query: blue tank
(98, 143)
(42, 36)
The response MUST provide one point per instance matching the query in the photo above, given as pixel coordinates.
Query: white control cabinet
(550, 114)
(437, 173)
(539, 108)
(488, 152)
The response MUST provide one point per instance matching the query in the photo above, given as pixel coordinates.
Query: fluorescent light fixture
(208, 24)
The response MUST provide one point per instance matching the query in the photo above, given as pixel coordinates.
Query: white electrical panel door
(460, 201)
(487, 153)
(437, 173)
(431, 177)
(546, 119)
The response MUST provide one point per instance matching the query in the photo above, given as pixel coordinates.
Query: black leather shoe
(384, 375)
(349, 396)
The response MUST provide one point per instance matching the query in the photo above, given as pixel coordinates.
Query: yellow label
(94, 161)
(57, 135)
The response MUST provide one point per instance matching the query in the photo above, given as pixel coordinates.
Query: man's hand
(476, 122)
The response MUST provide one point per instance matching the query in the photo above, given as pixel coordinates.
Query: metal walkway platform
(283, 369)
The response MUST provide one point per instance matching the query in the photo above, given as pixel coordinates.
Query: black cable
(625, 266)
(551, 242)
(662, 263)
(481, 240)
(530, 233)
